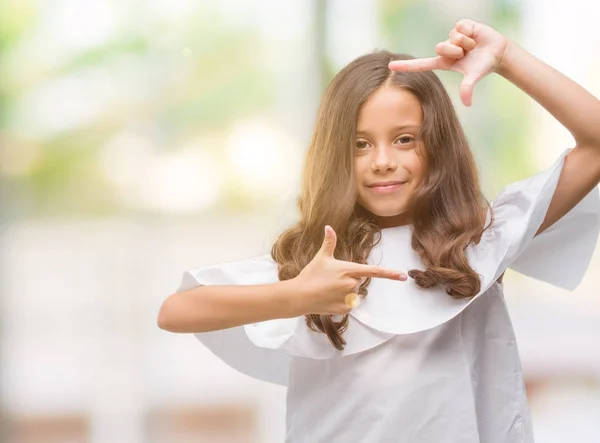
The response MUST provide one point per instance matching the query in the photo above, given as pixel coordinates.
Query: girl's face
(386, 152)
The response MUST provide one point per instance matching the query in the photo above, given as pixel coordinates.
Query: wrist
(291, 299)
(508, 58)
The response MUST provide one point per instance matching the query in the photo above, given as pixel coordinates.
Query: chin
(387, 212)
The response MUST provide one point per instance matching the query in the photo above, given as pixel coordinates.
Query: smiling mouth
(383, 189)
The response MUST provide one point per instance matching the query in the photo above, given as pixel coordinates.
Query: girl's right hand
(324, 283)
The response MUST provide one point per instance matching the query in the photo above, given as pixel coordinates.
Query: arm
(211, 308)
(320, 288)
(475, 50)
(576, 109)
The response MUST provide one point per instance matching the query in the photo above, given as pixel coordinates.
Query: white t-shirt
(458, 382)
(418, 366)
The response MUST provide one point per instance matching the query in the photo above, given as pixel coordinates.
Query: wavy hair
(447, 208)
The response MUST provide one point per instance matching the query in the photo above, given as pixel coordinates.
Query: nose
(384, 160)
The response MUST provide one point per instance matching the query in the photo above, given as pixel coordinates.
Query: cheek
(415, 166)
(359, 180)
(359, 172)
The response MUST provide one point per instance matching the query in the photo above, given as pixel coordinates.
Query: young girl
(390, 185)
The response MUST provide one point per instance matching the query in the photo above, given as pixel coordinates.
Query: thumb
(466, 87)
(329, 242)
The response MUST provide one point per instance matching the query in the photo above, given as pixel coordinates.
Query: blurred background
(139, 139)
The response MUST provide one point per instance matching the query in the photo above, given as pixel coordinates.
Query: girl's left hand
(472, 48)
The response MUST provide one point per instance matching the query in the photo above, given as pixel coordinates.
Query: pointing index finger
(416, 65)
(359, 270)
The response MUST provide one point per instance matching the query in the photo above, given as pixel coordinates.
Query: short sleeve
(264, 350)
(233, 346)
(561, 254)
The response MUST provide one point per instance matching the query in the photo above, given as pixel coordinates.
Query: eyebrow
(394, 129)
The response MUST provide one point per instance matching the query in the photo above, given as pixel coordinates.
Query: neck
(393, 221)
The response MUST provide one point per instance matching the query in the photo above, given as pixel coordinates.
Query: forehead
(389, 107)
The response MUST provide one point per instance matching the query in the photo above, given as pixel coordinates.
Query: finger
(466, 26)
(416, 65)
(460, 39)
(329, 242)
(357, 270)
(466, 94)
(466, 87)
(446, 49)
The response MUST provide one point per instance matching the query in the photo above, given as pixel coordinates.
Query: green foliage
(204, 84)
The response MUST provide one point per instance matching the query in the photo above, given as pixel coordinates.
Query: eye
(361, 144)
(406, 138)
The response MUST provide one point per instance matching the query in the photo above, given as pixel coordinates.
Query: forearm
(574, 107)
(211, 308)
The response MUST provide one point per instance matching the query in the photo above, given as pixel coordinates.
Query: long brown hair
(447, 208)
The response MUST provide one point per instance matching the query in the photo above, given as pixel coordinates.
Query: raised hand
(472, 48)
(325, 282)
